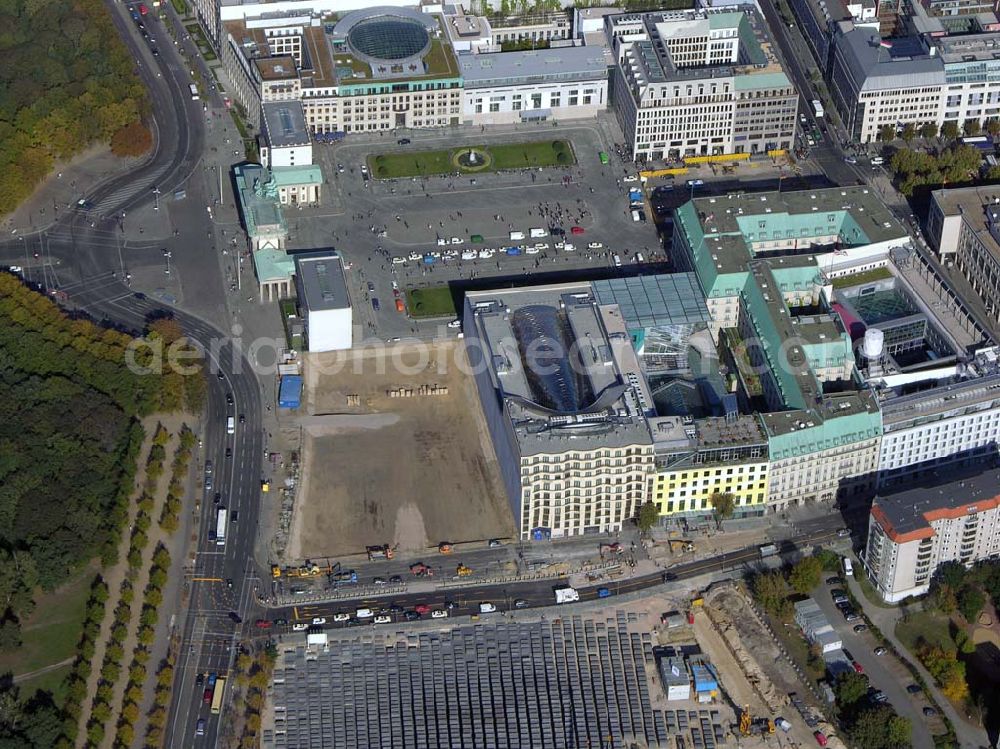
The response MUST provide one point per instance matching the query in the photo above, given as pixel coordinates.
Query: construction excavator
(750, 725)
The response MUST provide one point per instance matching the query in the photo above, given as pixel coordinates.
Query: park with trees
(67, 83)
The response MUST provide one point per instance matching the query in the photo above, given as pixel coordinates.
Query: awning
(535, 114)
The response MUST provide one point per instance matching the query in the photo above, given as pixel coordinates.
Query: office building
(927, 78)
(321, 283)
(963, 226)
(285, 140)
(374, 69)
(950, 517)
(537, 85)
(759, 259)
(699, 83)
(566, 406)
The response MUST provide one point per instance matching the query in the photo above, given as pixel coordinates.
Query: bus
(220, 527)
(194, 92)
(220, 687)
(817, 108)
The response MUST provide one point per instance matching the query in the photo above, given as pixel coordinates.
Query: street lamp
(156, 198)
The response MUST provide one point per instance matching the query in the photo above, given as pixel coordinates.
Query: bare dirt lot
(412, 470)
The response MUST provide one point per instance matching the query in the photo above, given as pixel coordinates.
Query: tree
(887, 133)
(970, 602)
(133, 139)
(949, 130)
(10, 634)
(770, 590)
(950, 574)
(850, 689)
(724, 505)
(928, 130)
(972, 127)
(805, 575)
(649, 514)
(909, 132)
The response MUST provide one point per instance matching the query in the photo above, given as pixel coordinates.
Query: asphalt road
(466, 600)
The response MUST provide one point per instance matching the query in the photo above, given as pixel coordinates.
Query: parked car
(833, 580)
(263, 624)
(520, 603)
(595, 246)
(929, 711)
(378, 581)
(235, 617)
(300, 627)
(411, 616)
(422, 608)
(439, 614)
(882, 651)
(577, 230)
(403, 141)
(603, 592)
(395, 580)
(383, 619)
(319, 620)
(857, 667)
(341, 617)
(860, 627)
(914, 689)
(852, 616)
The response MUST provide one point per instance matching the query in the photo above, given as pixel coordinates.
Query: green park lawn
(435, 301)
(502, 157)
(50, 635)
(930, 626)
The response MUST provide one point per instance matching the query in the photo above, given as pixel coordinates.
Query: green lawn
(51, 634)
(930, 626)
(856, 279)
(435, 301)
(871, 595)
(506, 156)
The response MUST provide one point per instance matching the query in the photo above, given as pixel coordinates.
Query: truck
(817, 108)
(380, 552)
(537, 233)
(567, 595)
(768, 550)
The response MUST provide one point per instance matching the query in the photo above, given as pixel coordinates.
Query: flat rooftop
(657, 300)
(907, 515)
(979, 207)
(281, 68)
(315, 66)
(557, 64)
(322, 280)
(732, 224)
(576, 679)
(649, 61)
(285, 124)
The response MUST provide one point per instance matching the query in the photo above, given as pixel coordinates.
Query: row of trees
(171, 511)
(949, 130)
(253, 673)
(102, 708)
(723, 507)
(867, 725)
(67, 82)
(76, 683)
(156, 721)
(152, 598)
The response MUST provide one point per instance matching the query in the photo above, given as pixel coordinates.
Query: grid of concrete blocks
(570, 682)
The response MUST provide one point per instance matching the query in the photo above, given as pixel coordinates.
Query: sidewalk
(886, 619)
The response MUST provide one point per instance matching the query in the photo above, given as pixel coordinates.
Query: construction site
(394, 454)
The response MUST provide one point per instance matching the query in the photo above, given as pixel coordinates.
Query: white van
(877, 161)
(848, 567)
(516, 235)
(230, 425)
(364, 613)
(487, 608)
(639, 257)
(536, 233)
(618, 261)
(635, 216)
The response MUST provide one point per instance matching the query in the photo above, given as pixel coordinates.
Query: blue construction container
(290, 392)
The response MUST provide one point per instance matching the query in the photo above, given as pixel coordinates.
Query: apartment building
(563, 397)
(699, 83)
(949, 517)
(538, 85)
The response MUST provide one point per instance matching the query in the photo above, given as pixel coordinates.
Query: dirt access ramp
(394, 450)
